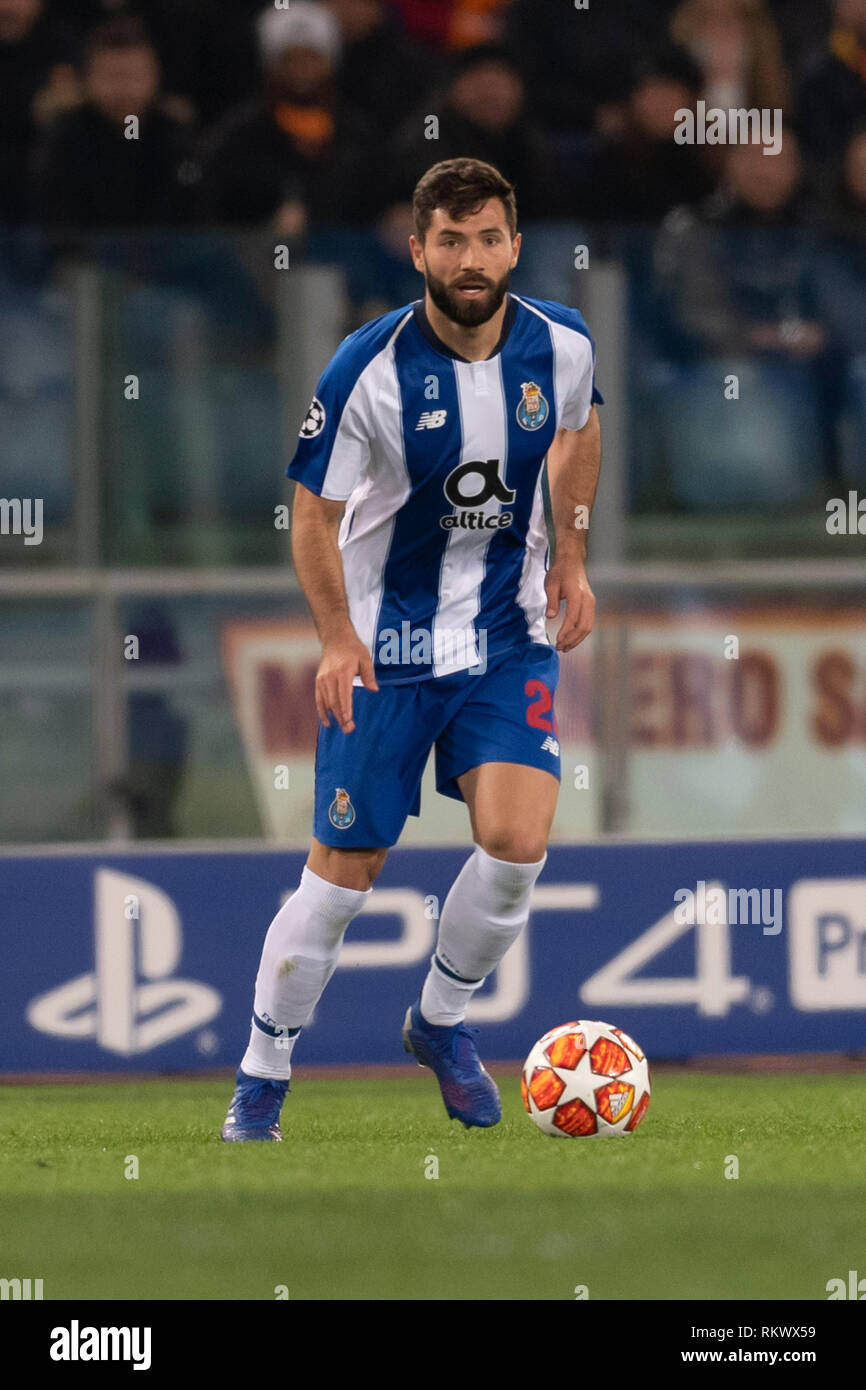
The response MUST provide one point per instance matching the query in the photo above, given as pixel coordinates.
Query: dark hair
(461, 187)
(669, 63)
(483, 53)
(117, 35)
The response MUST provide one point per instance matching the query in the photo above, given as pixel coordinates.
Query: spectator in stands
(738, 269)
(93, 168)
(37, 77)
(157, 733)
(426, 20)
(475, 22)
(842, 273)
(640, 172)
(851, 206)
(208, 62)
(803, 30)
(449, 25)
(300, 154)
(739, 50)
(841, 293)
(578, 64)
(832, 100)
(381, 71)
(482, 113)
(736, 277)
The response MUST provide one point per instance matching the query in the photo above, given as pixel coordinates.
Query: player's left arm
(573, 465)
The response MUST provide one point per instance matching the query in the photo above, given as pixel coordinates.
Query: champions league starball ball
(586, 1079)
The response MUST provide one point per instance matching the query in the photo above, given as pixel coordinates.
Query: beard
(470, 313)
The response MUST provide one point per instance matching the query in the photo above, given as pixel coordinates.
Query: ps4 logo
(129, 1003)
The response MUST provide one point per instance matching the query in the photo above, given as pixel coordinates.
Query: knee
(512, 845)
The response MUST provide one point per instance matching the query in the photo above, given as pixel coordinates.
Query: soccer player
(420, 542)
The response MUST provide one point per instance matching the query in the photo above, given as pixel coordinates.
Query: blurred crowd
(320, 112)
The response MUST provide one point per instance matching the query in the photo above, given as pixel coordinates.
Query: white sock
(299, 957)
(484, 913)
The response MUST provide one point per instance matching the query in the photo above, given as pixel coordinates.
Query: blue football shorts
(369, 781)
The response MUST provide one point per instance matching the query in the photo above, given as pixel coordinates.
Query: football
(586, 1079)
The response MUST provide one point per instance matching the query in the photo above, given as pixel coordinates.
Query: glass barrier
(47, 737)
(37, 406)
(151, 385)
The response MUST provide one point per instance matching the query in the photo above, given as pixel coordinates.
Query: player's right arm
(331, 461)
(319, 567)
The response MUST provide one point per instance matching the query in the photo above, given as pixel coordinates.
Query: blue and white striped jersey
(439, 461)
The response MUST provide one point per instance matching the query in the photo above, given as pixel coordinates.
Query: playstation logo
(128, 1003)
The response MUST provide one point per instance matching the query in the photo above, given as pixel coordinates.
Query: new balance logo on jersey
(550, 745)
(432, 420)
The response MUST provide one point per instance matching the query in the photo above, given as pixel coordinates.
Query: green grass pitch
(343, 1210)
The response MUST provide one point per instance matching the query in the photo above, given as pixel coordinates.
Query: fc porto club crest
(341, 812)
(533, 409)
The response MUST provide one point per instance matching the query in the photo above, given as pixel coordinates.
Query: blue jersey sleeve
(584, 392)
(334, 441)
(333, 445)
(578, 403)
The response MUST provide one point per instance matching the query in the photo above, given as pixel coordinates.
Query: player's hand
(567, 583)
(343, 659)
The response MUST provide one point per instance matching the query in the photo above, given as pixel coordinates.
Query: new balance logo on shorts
(432, 420)
(550, 745)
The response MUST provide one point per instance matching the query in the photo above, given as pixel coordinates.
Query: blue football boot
(255, 1109)
(469, 1092)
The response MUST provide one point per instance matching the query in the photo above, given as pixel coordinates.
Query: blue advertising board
(143, 960)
